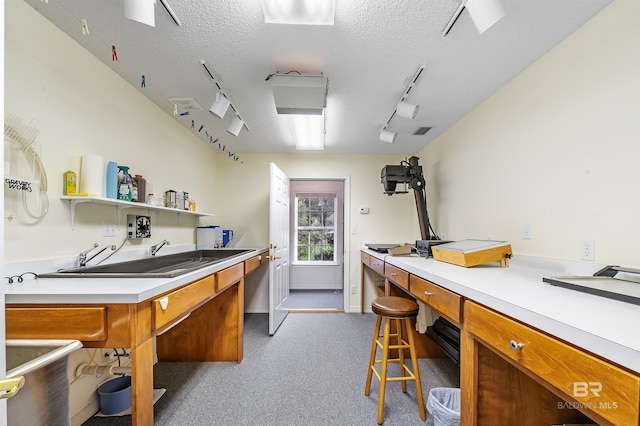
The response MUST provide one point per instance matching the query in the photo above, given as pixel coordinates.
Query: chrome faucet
(82, 257)
(156, 247)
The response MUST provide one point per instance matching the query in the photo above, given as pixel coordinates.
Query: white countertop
(107, 290)
(606, 327)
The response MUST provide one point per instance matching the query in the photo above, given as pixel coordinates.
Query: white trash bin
(444, 406)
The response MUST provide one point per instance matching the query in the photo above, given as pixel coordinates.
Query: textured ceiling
(367, 55)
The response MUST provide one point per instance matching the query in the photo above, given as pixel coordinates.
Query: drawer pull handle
(164, 302)
(393, 274)
(427, 293)
(515, 345)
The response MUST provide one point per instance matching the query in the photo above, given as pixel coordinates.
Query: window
(315, 229)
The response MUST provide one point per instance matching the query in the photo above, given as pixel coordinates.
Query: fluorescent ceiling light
(307, 131)
(299, 12)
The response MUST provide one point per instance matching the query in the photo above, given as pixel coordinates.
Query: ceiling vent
(186, 104)
(421, 131)
(299, 94)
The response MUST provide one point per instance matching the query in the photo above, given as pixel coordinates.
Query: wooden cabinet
(439, 299)
(398, 276)
(174, 305)
(229, 276)
(255, 262)
(595, 385)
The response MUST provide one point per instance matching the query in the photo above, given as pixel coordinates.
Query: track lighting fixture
(220, 105)
(387, 136)
(407, 110)
(484, 14)
(235, 126)
(402, 109)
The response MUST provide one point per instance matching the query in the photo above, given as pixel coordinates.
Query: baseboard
(86, 413)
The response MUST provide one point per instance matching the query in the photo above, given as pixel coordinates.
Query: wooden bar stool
(400, 310)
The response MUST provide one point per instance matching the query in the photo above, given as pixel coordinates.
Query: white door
(278, 247)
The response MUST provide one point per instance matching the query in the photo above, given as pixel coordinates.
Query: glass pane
(315, 253)
(316, 237)
(303, 238)
(303, 253)
(315, 218)
(328, 204)
(303, 218)
(315, 203)
(303, 204)
(327, 253)
(329, 219)
(329, 238)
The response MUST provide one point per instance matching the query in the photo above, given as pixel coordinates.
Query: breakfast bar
(198, 316)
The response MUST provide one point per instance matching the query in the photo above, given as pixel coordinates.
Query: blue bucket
(115, 395)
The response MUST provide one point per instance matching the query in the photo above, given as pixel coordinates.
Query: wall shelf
(120, 205)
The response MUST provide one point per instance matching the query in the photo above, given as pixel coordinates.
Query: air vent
(421, 131)
(186, 104)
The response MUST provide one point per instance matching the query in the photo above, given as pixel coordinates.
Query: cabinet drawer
(88, 324)
(364, 258)
(377, 265)
(397, 275)
(595, 384)
(172, 306)
(439, 299)
(229, 276)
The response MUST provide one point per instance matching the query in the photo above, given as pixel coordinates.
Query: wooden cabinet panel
(377, 265)
(364, 258)
(255, 262)
(229, 276)
(171, 306)
(251, 265)
(397, 275)
(594, 384)
(77, 323)
(441, 300)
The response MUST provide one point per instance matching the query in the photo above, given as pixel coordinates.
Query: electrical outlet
(354, 230)
(108, 230)
(353, 289)
(588, 250)
(526, 231)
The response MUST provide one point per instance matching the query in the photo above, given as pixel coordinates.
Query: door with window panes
(316, 221)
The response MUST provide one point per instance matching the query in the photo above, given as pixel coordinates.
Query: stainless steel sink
(44, 398)
(167, 266)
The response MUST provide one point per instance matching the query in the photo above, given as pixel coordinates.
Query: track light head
(387, 136)
(407, 110)
(220, 105)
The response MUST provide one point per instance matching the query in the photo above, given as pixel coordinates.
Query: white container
(208, 237)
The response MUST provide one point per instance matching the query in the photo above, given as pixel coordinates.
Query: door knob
(10, 386)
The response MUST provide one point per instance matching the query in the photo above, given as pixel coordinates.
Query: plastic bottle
(134, 189)
(70, 183)
(125, 185)
(142, 190)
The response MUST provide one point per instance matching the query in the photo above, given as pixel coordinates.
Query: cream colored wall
(81, 106)
(558, 148)
(244, 200)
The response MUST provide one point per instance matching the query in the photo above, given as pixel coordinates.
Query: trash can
(444, 406)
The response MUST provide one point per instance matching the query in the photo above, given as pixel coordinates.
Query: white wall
(558, 148)
(80, 106)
